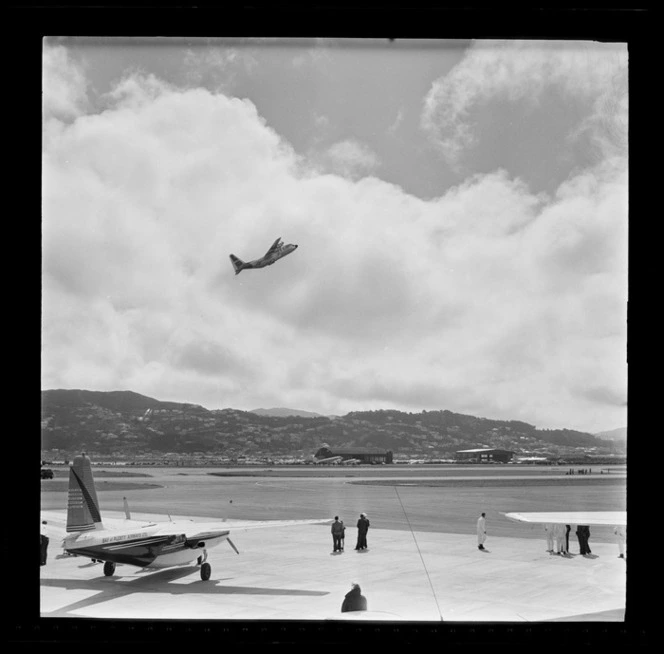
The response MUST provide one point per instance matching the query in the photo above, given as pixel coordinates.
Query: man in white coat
(548, 528)
(481, 531)
(559, 539)
(621, 532)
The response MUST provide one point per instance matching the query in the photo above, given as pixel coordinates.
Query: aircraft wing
(274, 247)
(202, 530)
(597, 518)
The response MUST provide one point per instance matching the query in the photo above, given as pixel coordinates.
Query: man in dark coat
(582, 533)
(337, 533)
(354, 600)
(587, 536)
(362, 528)
(43, 551)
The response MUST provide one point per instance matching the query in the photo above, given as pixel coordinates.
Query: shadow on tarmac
(108, 588)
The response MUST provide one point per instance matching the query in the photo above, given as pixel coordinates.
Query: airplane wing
(274, 247)
(597, 518)
(202, 530)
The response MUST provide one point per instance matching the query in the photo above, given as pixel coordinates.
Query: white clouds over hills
(489, 300)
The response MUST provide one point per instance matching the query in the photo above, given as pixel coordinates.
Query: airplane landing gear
(109, 568)
(206, 568)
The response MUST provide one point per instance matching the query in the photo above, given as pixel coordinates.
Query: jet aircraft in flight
(277, 250)
(143, 543)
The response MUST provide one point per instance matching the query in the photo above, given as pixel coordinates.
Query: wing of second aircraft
(597, 518)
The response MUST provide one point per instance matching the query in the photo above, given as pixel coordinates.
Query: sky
(460, 207)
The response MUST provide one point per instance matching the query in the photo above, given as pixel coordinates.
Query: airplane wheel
(109, 568)
(206, 571)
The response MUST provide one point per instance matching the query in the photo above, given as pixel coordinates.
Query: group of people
(354, 600)
(557, 537)
(339, 533)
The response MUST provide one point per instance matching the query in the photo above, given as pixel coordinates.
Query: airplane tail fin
(82, 504)
(238, 264)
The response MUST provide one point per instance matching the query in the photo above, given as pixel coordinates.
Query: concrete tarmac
(290, 573)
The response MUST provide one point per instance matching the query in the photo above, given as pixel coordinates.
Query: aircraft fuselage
(272, 258)
(145, 546)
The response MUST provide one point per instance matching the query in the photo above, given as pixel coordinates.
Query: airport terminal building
(484, 455)
(362, 455)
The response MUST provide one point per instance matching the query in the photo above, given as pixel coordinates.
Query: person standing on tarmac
(548, 528)
(559, 538)
(337, 534)
(582, 533)
(586, 529)
(481, 531)
(43, 543)
(362, 529)
(621, 532)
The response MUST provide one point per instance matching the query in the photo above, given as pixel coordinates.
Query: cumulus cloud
(218, 66)
(64, 89)
(521, 71)
(349, 158)
(488, 300)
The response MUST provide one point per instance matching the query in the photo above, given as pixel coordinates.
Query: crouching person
(354, 600)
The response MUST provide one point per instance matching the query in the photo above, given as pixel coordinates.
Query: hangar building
(484, 455)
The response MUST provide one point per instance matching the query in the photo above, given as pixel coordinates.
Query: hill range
(129, 423)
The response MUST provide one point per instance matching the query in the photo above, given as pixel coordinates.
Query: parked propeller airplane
(277, 251)
(328, 461)
(143, 543)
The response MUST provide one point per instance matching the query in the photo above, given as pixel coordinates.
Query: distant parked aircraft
(330, 460)
(276, 252)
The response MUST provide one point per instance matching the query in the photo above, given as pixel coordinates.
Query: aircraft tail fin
(238, 264)
(82, 503)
